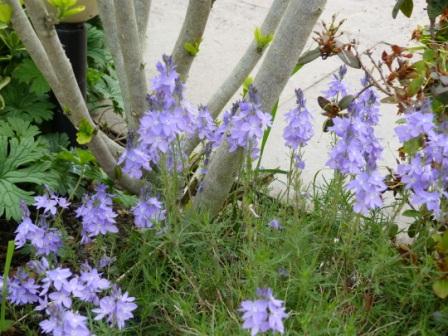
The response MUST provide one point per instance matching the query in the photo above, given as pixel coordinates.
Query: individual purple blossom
(337, 87)
(299, 128)
(64, 322)
(247, 126)
(147, 212)
(97, 214)
(167, 78)
(264, 314)
(366, 107)
(57, 278)
(357, 146)
(106, 261)
(116, 308)
(45, 240)
(425, 173)
(275, 224)
(367, 187)
(135, 160)
(206, 127)
(61, 298)
(49, 203)
(22, 289)
(91, 283)
(416, 124)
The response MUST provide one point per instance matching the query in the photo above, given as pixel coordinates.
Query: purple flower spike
(299, 128)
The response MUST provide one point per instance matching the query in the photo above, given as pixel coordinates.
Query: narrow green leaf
(6, 324)
(266, 135)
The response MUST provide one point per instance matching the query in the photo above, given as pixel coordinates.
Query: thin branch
(142, 9)
(128, 37)
(192, 30)
(293, 32)
(244, 67)
(106, 10)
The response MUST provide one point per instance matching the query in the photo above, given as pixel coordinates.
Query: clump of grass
(339, 274)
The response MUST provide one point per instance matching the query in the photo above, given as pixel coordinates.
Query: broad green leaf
(22, 162)
(23, 104)
(5, 13)
(85, 132)
(27, 72)
(440, 287)
(436, 7)
(405, 6)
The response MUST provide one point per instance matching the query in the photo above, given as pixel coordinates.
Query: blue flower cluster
(56, 290)
(426, 172)
(299, 128)
(264, 314)
(358, 150)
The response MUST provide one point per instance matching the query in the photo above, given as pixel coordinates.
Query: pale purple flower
(97, 214)
(275, 224)
(367, 187)
(247, 126)
(22, 289)
(266, 313)
(135, 159)
(57, 277)
(116, 308)
(299, 128)
(64, 323)
(337, 87)
(92, 284)
(47, 203)
(417, 123)
(148, 212)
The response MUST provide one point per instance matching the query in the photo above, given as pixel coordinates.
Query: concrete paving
(230, 30)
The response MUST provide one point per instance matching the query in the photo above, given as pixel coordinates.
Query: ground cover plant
(176, 232)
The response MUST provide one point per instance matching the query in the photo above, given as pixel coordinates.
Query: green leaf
(350, 59)
(266, 134)
(192, 48)
(436, 7)
(5, 13)
(405, 6)
(27, 72)
(415, 85)
(440, 287)
(412, 146)
(246, 84)
(346, 101)
(26, 105)
(23, 161)
(6, 324)
(85, 132)
(261, 39)
(411, 213)
(66, 8)
(4, 81)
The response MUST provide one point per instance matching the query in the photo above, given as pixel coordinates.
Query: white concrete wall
(230, 30)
